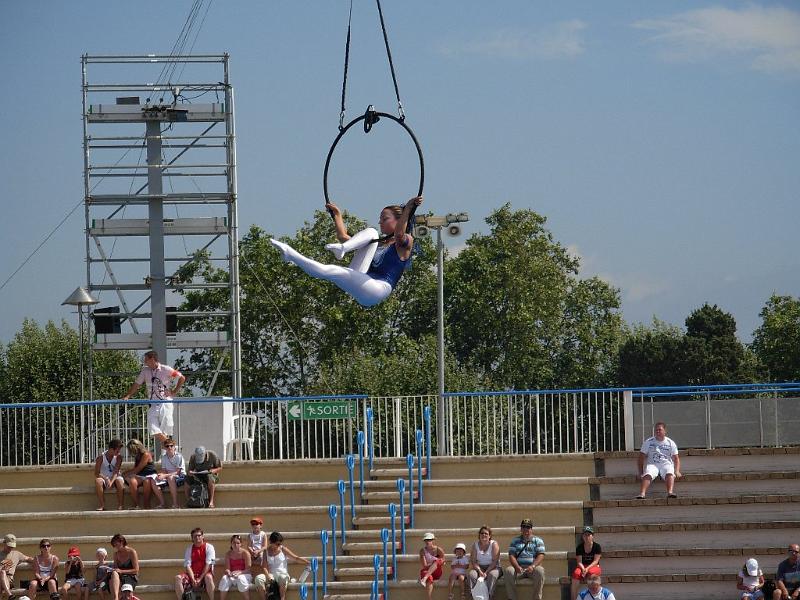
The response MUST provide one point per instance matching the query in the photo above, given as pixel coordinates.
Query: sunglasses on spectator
(794, 551)
(169, 445)
(44, 546)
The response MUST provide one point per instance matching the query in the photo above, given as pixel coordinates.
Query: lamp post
(80, 298)
(424, 225)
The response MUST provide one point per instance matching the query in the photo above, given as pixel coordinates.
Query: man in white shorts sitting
(160, 389)
(658, 456)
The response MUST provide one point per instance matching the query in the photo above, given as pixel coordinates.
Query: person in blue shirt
(525, 553)
(595, 591)
(377, 264)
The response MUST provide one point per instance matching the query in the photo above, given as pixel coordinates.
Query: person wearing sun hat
(126, 592)
(525, 553)
(458, 570)
(74, 579)
(750, 580)
(431, 558)
(10, 557)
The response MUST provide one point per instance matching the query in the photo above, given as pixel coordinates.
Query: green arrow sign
(326, 409)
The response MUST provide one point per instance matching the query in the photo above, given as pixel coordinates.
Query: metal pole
(80, 360)
(155, 188)
(441, 411)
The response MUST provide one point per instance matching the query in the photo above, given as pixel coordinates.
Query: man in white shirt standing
(658, 456)
(160, 390)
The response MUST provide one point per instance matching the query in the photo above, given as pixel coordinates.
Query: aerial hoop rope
(371, 116)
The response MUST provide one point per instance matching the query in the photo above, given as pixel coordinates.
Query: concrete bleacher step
(698, 485)
(689, 561)
(695, 535)
(76, 523)
(778, 507)
(496, 488)
(715, 460)
(228, 495)
(674, 585)
(395, 473)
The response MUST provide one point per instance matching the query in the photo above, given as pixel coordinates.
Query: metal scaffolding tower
(160, 198)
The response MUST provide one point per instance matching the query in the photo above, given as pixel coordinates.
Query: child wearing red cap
(74, 579)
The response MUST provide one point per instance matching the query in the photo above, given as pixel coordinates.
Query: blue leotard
(387, 265)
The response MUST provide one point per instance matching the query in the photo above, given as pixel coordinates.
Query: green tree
(712, 354)
(41, 364)
(519, 313)
(776, 342)
(707, 353)
(651, 356)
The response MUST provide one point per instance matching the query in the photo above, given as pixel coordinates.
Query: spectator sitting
(173, 470)
(126, 592)
(257, 539)
(10, 557)
(45, 572)
(142, 474)
(237, 570)
(126, 565)
(431, 558)
(661, 456)
(484, 560)
(198, 565)
(74, 579)
(588, 554)
(750, 580)
(204, 467)
(102, 573)
(106, 475)
(158, 379)
(787, 582)
(525, 553)
(595, 591)
(277, 564)
(458, 569)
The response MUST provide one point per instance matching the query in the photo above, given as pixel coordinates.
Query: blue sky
(660, 139)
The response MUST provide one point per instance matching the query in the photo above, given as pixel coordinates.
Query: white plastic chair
(243, 433)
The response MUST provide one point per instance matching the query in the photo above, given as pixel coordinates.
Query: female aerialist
(377, 263)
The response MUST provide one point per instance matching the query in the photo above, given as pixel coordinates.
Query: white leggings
(353, 279)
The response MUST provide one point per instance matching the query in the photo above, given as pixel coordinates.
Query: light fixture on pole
(80, 298)
(424, 225)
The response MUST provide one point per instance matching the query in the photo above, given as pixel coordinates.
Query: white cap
(428, 536)
(102, 551)
(460, 546)
(752, 567)
(126, 587)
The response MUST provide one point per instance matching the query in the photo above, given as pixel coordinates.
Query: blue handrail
(341, 488)
(419, 465)
(426, 417)
(410, 463)
(350, 461)
(376, 565)
(401, 487)
(392, 516)
(370, 441)
(323, 536)
(332, 515)
(303, 591)
(314, 567)
(360, 439)
(385, 540)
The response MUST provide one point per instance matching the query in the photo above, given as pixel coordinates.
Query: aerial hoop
(370, 117)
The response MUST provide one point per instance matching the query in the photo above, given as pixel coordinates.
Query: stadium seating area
(732, 504)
